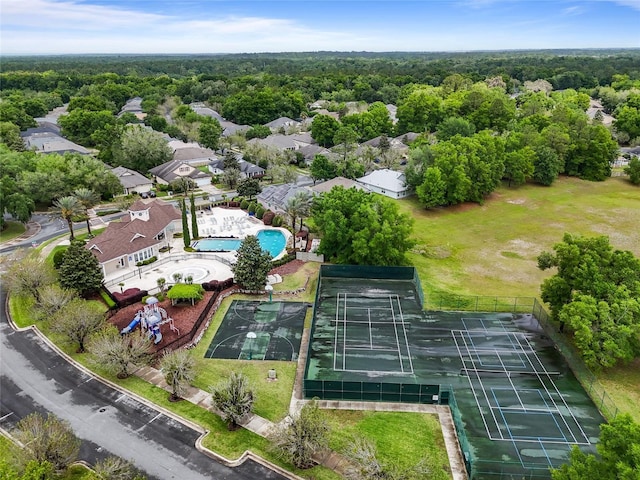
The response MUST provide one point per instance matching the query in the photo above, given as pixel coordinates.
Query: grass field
(491, 249)
(401, 439)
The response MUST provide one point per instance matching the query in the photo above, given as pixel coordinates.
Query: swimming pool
(273, 241)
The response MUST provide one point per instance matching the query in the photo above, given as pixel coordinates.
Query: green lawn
(491, 249)
(11, 231)
(402, 439)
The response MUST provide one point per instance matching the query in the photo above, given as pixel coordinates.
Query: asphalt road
(34, 378)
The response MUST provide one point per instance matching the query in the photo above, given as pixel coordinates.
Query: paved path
(35, 377)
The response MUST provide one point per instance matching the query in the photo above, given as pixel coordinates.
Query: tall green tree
(209, 133)
(249, 187)
(80, 270)
(633, 170)
(68, 208)
(595, 294)
(186, 237)
(141, 149)
(345, 141)
(361, 228)
(323, 130)
(431, 192)
(619, 458)
(194, 217)
(10, 136)
(322, 168)
(252, 265)
(420, 111)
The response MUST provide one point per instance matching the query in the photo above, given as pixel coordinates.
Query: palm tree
(178, 368)
(88, 199)
(298, 206)
(233, 398)
(67, 208)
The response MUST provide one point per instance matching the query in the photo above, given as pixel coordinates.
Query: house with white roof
(386, 182)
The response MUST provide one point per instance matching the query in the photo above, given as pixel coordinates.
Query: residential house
(133, 105)
(137, 237)
(309, 152)
(325, 187)
(386, 182)
(275, 197)
(132, 181)
(282, 123)
(192, 153)
(228, 128)
(51, 142)
(175, 169)
(247, 169)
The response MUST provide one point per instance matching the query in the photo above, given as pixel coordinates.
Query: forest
(473, 120)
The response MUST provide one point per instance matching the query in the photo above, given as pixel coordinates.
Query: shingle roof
(49, 142)
(130, 178)
(166, 171)
(385, 179)
(281, 122)
(129, 236)
(335, 182)
(277, 195)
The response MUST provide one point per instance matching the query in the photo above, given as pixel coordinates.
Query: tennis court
(254, 330)
(520, 407)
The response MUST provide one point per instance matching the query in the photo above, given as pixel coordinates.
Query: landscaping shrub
(234, 204)
(244, 204)
(58, 257)
(286, 259)
(148, 261)
(277, 221)
(252, 208)
(108, 298)
(268, 216)
(130, 296)
(260, 212)
(177, 235)
(212, 286)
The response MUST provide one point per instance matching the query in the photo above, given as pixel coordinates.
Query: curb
(203, 432)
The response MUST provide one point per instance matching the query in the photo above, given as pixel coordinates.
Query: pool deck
(226, 223)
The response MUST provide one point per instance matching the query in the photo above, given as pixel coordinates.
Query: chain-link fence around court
(472, 303)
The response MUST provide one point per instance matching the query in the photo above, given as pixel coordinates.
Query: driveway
(35, 378)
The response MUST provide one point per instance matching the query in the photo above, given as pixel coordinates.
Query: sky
(242, 26)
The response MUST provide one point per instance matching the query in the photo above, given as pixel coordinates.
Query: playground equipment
(150, 318)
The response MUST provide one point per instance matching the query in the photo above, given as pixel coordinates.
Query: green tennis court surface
(253, 330)
(519, 407)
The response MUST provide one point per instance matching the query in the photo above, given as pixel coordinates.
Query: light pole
(269, 289)
(251, 336)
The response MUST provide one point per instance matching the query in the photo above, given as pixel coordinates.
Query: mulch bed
(184, 318)
(185, 315)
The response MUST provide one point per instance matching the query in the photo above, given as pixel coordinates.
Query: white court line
(374, 349)
(335, 340)
(515, 390)
(575, 420)
(5, 416)
(475, 394)
(395, 329)
(370, 332)
(344, 335)
(406, 340)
